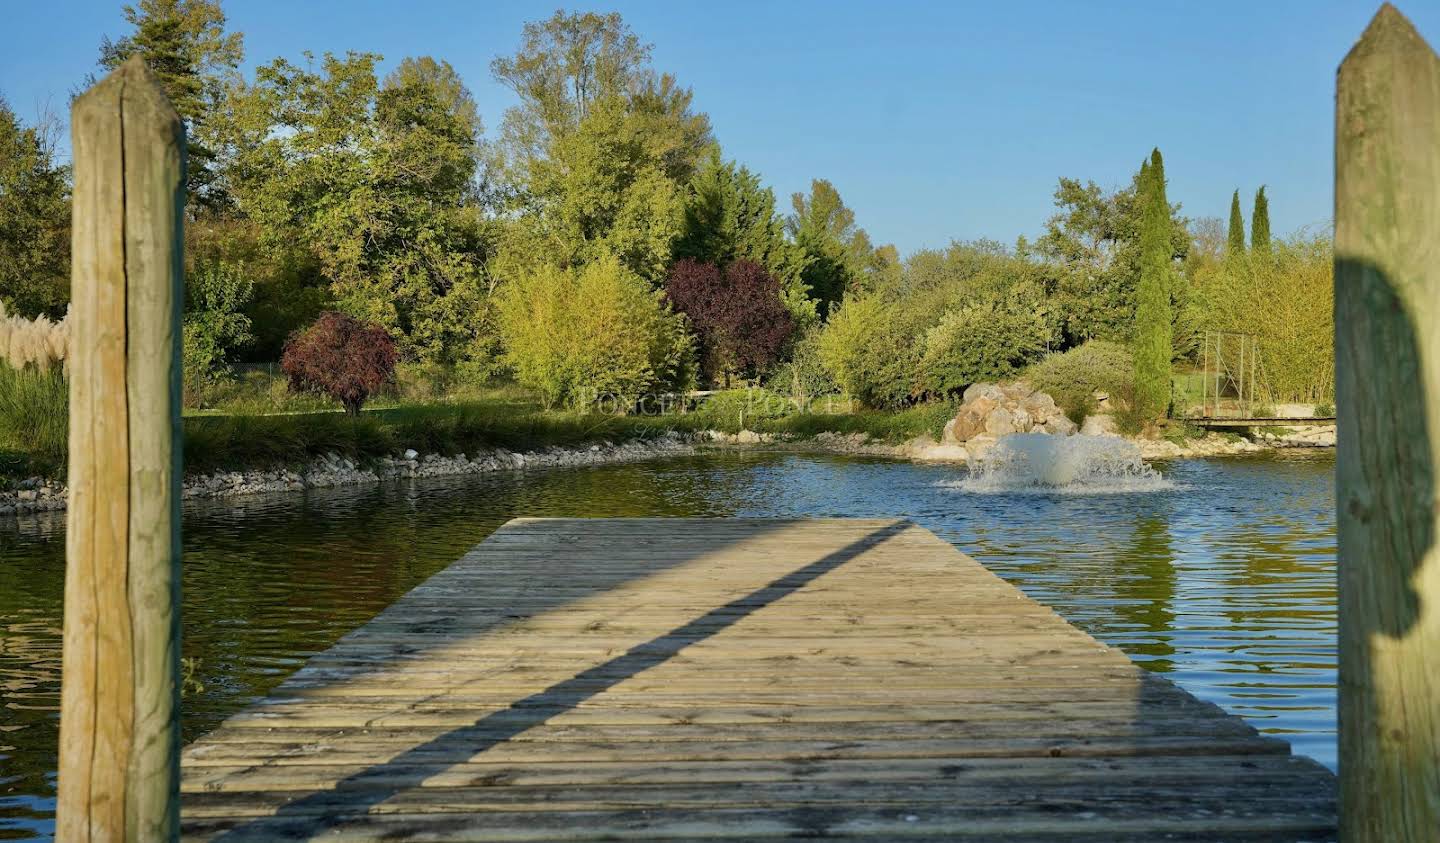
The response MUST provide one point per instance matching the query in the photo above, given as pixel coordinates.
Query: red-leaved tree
(737, 313)
(341, 357)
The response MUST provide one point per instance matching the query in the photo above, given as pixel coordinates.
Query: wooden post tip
(1389, 31)
(137, 82)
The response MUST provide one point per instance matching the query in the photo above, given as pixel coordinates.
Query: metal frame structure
(1231, 366)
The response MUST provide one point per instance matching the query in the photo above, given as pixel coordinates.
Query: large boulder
(991, 410)
(947, 436)
(1059, 425)
(1000, 422)
(1040, 405)
(1018, 391)
(963, 428)
(982, 405)
(985, 390)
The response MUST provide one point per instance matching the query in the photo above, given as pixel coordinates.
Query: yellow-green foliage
(873, 351)
(578, 335)
(985, 341)
(1073, 377)
(38, 342)
(34, 413)
(738, 409)
(974, 311)
(1285, 298)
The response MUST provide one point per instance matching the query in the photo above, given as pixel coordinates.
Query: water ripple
(1225, 582)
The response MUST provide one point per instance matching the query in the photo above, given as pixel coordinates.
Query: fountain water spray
(1044, 463)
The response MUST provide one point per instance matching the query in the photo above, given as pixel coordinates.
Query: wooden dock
(692, 679)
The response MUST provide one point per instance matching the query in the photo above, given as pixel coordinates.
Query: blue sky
(937, 121)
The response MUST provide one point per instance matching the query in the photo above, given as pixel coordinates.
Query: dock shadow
(1385, 501)
(1386, 495)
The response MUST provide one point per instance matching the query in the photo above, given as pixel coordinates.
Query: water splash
(1078, 464)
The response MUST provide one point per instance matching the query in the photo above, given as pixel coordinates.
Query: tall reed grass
(34, 395)
(37, 342)
(34, 414)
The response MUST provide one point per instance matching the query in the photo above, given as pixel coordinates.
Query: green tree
(34, 219)
(594, 159)
(215, 324)
(1092, 251)
(1260, 223)
(838, 252)
(1288, 302)
(1152, 345)
(290, 289)
(675, 135)
(572, 62)
(598, 192)
(874, 350)
(378, 180)
(990, 340)
(970, 311)
(185, 44)
(1237, 227)
(564, 66)
(729, 216)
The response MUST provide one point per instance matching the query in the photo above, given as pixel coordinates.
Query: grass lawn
(505, 417)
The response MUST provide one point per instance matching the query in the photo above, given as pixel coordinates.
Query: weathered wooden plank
(1068, 820)
(1195, 769)
(1281, 794)
(734, 680)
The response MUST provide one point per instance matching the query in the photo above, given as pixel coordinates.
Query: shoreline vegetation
(233, 455)
(355, 238)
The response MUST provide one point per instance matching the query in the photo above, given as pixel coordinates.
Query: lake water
(1224, 582)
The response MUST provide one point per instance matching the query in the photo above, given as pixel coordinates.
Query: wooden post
(119, 720)
(1240, 380)
(1205, 376)
(1387, 360)
(1254, 368)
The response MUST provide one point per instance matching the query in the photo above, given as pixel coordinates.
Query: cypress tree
(1260, 223)
(1153, 344)
(1237, 227)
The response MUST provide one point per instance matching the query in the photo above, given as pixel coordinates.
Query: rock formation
(989, 411)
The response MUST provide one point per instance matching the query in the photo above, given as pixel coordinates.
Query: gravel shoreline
(42, 495)
(39, 494)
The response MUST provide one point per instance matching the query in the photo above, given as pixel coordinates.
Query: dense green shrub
(35, 412)
(873, 349)
(982, 342)
(804, 377)
(1286, 298)
(1073, 377)
(579, 336)
(926, 419)
(739, 409)
(215, 324)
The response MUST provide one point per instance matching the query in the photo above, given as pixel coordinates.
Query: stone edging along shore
(925, 449)
(41, 495)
